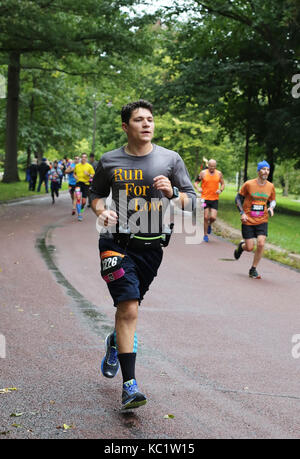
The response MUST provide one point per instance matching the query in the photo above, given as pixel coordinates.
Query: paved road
(215, 347)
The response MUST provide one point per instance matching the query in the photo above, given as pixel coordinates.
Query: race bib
(257, 210)
(111, 262)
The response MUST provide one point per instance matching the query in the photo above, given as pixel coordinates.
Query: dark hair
(129, 108)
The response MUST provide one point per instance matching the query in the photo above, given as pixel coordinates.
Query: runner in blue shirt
(72, 182)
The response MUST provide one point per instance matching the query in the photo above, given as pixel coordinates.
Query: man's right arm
(197, 181)
(239, 200)
(106, 217)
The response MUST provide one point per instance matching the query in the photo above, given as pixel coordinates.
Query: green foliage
(94, 39)
(237, 59)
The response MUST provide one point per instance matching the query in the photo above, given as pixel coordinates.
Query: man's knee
(249, 245)
(127, 310)
(260, 244)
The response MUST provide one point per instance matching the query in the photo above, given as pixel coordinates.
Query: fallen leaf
(65, 427)
(169, 416)
(17, 425)
(6, 390)
(16, 415)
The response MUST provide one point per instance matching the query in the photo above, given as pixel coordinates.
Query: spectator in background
(43, 170)
(33, 172)
(93, 162)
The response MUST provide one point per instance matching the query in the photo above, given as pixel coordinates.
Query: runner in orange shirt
(210, 180)
(252, 202)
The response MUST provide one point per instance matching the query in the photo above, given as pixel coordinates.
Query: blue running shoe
(131, 397)
(80, 218)
(110, 363)
(205, 238)
(209, 229)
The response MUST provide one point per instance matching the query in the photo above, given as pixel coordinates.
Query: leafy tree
(51, 32)
(237, 59)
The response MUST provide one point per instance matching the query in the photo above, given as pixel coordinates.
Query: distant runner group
(255, 201)
(80, 174)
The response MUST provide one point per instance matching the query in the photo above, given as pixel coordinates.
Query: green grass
(284, 227)
(10, 191)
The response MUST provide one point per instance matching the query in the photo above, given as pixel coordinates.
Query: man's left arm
(219, 191)
(179, 180)
(164, 184)
(272, 202)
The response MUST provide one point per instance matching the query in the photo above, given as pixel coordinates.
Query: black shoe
(110, 363)
(253, 273)
(131, 397)
(238, 251)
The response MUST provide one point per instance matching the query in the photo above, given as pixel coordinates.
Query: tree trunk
(12, 109)
(39, 154)
(270, 159)
(249, 99)
(31, 111)
(94, 128)
(197, 164)
(286, 185)
(246, 154)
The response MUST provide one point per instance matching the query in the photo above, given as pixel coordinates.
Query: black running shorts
(84, 189)
(140, 268)
(252, 231)
(212, 204)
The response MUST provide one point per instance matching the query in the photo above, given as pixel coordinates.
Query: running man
(72, 181)
(252, 203)
(149, 176)
(55, 175)
(83, 172)
(210, 190)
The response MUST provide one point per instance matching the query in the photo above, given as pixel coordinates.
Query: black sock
(127, 362)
